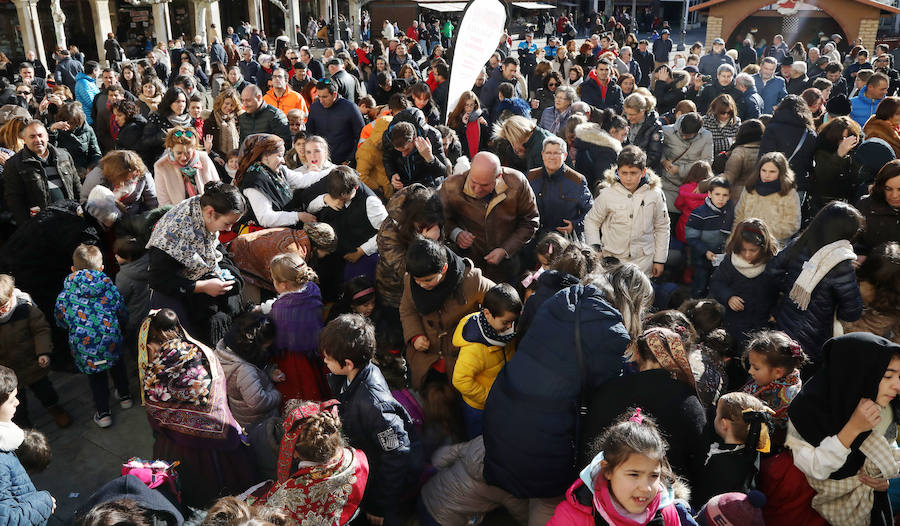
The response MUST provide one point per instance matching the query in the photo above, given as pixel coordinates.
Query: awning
(444, 7)
(534, 5)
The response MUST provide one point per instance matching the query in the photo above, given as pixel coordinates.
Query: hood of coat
(592, 133)
(88, 283)
(413, 116)
(653, 181)
(138, 269)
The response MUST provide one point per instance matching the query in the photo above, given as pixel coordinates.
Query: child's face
(300, 148)
(195, 109)
(761, 371)
(470, 106)
(8, 408)
(366, 308)
(635, 482)
(768, 172)
(502, 323)
(335, 367)
(719, 196)
(233, 163)
(888, 388)
(750, 252)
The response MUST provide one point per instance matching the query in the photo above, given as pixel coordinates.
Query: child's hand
(278, 375)
(54, 504)
(736, 303)
(874, 483)
(710, 256)
(43, 360)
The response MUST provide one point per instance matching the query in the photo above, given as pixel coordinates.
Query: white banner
(478, 37)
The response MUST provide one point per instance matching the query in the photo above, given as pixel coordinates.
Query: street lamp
(684, 20)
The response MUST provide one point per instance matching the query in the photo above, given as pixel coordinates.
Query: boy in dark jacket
(373, 420)
(707, 230)
(133, 282)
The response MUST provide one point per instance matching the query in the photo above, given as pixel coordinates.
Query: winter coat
(131, 137)
(688, 199)
(252, 396)
(529, 418)
(391, 265)
(340, 125)
(672, 403)
(154, 137)
(797, 85)
(772, 92)
(376, 423)
(710, 62)
(577, 509)
(880, 129)
(884, 324)
(162, 511)
(836, 296)
(170, 183)
(592, 93)
(759, 294)
(633, 227)
(141, 199)
(882, 224)
(266, 119)
(682, 154)
(781, 213)
(438, 326)
(133, 282)
(562, 195)
(458, 490)
(713, 90)
(534, 146)
(836, 178)
(66, 72)
(783, 134)
(90, 308)
(20, 503)
(86, 89)
(478, 362)
(548, 283)
(369, 160)
(490, 92)
(25, 185)
(862, 107)
(751, 105)
(669, 94)
(81, 143)
(597, 152)
(508, 220)
(413, 168)
(650, 139)
(24, 337)
(740, 168)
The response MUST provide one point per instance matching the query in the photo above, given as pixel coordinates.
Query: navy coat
(20, 503)
(547, 284)
(759, 295)
(530, 415)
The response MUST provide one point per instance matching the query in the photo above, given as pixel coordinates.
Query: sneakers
(125, 402)
(60, 416)
(103, 421)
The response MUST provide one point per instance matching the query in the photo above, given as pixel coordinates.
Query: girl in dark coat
(836, 168)
(469, 121)
(668, 88)
(131, 128)
(881, 209)
(816, 293)
(71, 133)
(791, 131)
(172, 112)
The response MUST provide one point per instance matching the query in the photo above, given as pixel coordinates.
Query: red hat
(734, 509)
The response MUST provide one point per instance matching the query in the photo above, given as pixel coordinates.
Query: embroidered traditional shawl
(777, 395)
(183, 235)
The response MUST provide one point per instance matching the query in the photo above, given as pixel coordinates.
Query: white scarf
(748, 270)
(11, 436)
(825, 259)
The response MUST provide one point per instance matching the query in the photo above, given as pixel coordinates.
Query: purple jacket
(298, 321)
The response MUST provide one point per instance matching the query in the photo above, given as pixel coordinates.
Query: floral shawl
(777, 395)
(183, 235)
(183, 388)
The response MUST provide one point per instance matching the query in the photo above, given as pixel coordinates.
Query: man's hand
(464, 239)
(44, 360)
(736, 303)
(567, 228)
(658, 269)
(494, 257)
(421, 344)
(354, 256)
(423, 145)
(396, 182)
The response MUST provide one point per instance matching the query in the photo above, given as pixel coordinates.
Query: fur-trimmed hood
(681, 78)
(592, 133)
(653, 180)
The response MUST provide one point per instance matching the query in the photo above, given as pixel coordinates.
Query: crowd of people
(610, 284)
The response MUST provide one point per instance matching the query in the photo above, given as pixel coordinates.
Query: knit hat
(872, 155)
(787, 60)
(733, 509)
(321, 236)
(839, 105)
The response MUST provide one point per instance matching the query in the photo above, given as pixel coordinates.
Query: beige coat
(170, 184)
(634, 227)
(781, 213)
(741, 168)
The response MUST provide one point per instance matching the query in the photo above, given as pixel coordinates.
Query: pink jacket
(170, 184)
(688, 199)
(570, 512)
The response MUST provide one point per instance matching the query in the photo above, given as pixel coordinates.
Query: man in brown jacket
(490, 213)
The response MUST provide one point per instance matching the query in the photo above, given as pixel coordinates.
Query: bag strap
(799, 145)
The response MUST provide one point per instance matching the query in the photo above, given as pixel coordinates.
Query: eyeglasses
(184, 133)
(24, 92)
(552, 84)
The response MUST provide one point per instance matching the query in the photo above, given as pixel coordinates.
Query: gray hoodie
(683, 154)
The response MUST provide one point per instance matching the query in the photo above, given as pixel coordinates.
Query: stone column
(255, 14)
(323, 9)
(30, 26)
(293, 20)
(713, 30)
(213, 16)
(353, 17)
(162, 26)
(868, 30)
(59, 21)
(102, 25)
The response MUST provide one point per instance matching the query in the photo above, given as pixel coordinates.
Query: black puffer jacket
(650, 139)
(668, 94)
(836, 294)
(413, 168)
(882, 224)
(783, 134)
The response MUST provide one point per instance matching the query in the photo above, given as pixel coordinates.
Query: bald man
(490, 213)
(260, 117)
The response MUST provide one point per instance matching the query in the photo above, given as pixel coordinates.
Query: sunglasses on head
(184, 133)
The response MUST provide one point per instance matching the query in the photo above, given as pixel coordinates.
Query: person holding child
(90, 308)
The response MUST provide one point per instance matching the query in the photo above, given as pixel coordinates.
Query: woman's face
(552, 84)
(561, 102)
(127, 74)
(120, 118)
(573, 75)
(619, 134)
(228, 106)
(750, 252)
(148, 90)
(380, 65)
(768, 172)
(470, 106)
(179, 105)
(889, 387)
(628, 86)
(274, 160)
(892, 191)
(420, 101)
(216, 222)
(182, 153)
(315, 155)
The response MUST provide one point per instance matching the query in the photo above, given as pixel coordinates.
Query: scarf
(429, 301)
(151, 102)
(18, 298)
(183, 235)
(183, 120)
(188, 171)
(229, 139)
(473, 132)
(825, 259)
(748, 270)
(777, 394)
(769, 188)
(491, 335)
(11, 436)
(609, 510)
(670, 353)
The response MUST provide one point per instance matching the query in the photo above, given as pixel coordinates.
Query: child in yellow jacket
(485, 345)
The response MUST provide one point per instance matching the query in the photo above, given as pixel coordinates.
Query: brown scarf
(151, 102)
(228, 132)
(670, 353)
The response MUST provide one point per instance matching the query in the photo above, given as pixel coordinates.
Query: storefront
(10, 39)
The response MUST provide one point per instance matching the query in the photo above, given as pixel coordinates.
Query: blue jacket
(563, 194)
(709, 63)
(90, 307)
(836, 294)
(340, 125)
(752, 105)
(862, 107)
(85, 90)
(759, 294)
(20, 503)
(771, 93)
(592, 93)
(378, 425)
(530, 415)
(708, 227)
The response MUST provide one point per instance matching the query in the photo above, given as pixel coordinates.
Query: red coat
(788, 494)
(688, 199)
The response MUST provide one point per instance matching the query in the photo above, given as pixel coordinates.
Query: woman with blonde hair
(722, 121)
(525, 137)
(184, 168)
(11, 136)
(222, 125)
(123, 172)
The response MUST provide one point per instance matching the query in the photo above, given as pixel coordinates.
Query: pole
(687, 4)
(634, 24)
